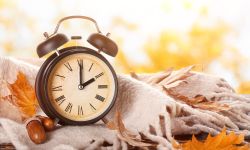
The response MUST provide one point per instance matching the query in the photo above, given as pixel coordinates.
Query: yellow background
(152, 34)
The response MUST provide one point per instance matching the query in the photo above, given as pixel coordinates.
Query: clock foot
(105, 120)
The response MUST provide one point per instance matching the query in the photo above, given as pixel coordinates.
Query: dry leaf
(166, 78)
(169, 79)
(23, 96)
(198, 102)
(154, 79)
(127, 135)
(220, 142)
(177, 76)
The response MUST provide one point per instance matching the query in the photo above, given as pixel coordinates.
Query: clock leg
(56, 120)
(105, 120)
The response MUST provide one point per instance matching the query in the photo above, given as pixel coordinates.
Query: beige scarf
(154, 107)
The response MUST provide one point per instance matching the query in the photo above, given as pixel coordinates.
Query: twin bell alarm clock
(76, 85)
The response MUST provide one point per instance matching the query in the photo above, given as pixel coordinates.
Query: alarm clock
(76, 85)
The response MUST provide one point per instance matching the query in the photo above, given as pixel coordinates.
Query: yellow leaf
(221, 141)
(23, 96)
(232, 138)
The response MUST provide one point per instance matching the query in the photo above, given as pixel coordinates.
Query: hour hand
(88, 82)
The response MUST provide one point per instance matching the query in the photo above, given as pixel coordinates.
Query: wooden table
(7, 146)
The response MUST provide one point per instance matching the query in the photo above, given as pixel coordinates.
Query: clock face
(81, 87)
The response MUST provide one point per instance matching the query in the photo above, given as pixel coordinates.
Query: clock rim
(42, 81)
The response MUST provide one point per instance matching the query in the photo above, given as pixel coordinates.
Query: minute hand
(80, 63)
(88, 82)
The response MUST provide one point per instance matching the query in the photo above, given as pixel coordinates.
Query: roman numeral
(80, 111)
(58, 88)
(60, 99)
(80, 62)
(91, 66)
(99, 97)
(69, 108)
(68, 66)
(60, 76)
(99, 75)
(102, 86)
(92, 106)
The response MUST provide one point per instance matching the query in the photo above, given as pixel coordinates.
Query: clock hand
(88, 82)
(80, 63)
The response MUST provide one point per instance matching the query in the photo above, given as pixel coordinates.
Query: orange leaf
(221, 141)
(23, 96)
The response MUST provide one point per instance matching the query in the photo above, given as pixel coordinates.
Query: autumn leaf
(221, 141)
(23, 96)
(167, 80)
(176, 76)
(153, 79)
(198, 102)
(128, 136)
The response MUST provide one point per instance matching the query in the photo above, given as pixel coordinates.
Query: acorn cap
(50, 44)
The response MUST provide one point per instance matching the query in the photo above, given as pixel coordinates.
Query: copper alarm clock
(76, 85)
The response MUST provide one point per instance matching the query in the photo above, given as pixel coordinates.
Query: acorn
(47, 123)
(36, 131)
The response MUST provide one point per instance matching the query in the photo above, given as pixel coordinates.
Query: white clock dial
(81, 87)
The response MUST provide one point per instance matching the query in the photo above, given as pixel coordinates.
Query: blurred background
(152, 35)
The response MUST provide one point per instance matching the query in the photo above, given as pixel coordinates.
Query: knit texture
(145, 109)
